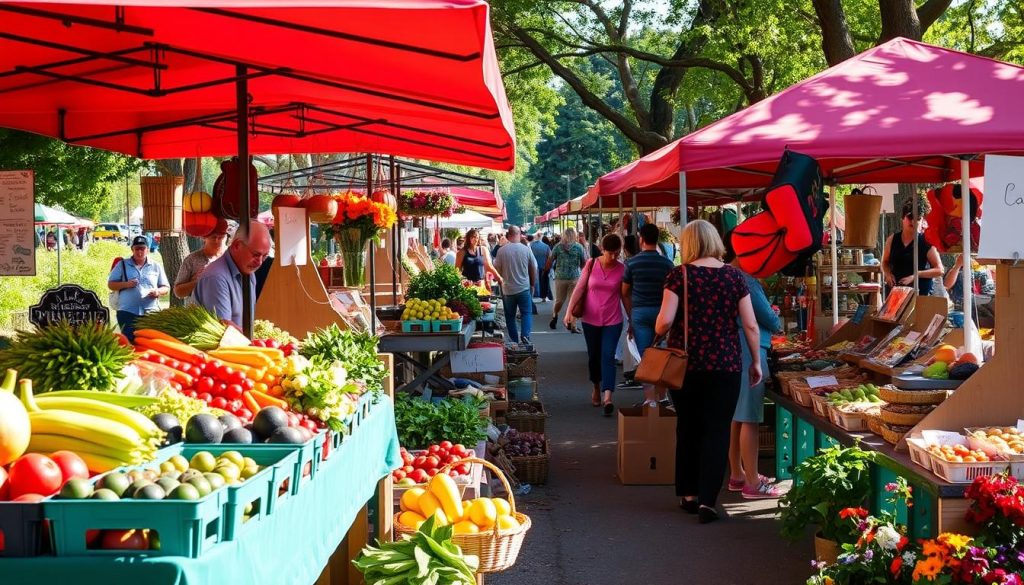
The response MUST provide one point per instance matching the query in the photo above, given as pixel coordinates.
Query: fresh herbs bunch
(62, 356)
(193, 325)
(834, 479)
(356, 350)
(428, 556)
(421, 423)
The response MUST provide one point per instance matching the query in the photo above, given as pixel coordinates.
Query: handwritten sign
(480, 359)
(1004, 208)
(68, 302)
(17, 223)
(821, 381)
(294, 232)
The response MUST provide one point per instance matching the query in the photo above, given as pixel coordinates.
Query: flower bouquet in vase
(358, 220)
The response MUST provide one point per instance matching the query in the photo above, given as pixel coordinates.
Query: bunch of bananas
(105, 435)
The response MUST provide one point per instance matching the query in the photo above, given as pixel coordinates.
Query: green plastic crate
(415, 326)
(23, 529)
(446, 326)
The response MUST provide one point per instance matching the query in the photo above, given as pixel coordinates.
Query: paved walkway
(588, 529)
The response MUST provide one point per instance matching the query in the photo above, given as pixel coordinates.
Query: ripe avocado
(150, 492)
(268, 420)
(204, 428)
(115, 482)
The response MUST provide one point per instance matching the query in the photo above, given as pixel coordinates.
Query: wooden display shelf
(827, 268)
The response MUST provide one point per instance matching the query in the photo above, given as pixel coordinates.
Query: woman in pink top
(602, 317)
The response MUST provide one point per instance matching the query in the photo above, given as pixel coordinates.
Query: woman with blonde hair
(567, 257)
(703, 323)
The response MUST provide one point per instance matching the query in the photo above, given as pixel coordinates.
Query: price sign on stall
(1004, 208)
(17, 223)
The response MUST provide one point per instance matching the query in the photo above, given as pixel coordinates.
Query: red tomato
(408, 469)
(398, 474)
(293, 419)
(237, 377)
(191, 393)
(31, 498)
(219, 402)
(233, 392)
(159, 359)
(234, 406)
(173, 363)
(432, 471)
(211, 369)
(34, 474)
(446, 445)
(219, 389)
(451, 459)
(463, 469)
(459, 450)
(258, 343)
(204, 384)
(205, 397)
(224, 373)
(432, 462)
(420, 462)
(248, 384)
(419, 476)
(433, 449)
(453, 473)
(310, 425)
(5, 488)
(407, 459)
(124, 540)
(71, 466)
(273, 343)
(244, 413)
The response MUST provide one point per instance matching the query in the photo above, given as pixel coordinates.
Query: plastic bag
(633, 353)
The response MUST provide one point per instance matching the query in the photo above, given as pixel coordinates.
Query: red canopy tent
(903, 111)
(157, 79)
(486, 202)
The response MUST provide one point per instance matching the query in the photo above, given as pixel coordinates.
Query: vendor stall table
(404, 344)
(938, 505)
(291, 546)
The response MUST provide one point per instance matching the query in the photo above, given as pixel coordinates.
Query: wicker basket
(525, 367)
(820, 404)
(891, 435)
(898, 418)
(533, 469)
(526, 422)
(874, 424)
(801, 394)
(161, 203)
(896, 396)
(497, 549)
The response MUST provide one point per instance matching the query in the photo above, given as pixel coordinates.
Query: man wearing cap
(139, 283)
(194, 264)
(219, 287)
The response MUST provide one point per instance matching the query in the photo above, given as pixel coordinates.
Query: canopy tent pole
(60, 244)
(621, 214)
(914, 221)
(968, 270)
(600, 222)
(244, 196)
(682, 199)
(636, 218)
(373, 251)
(395, 264)
(835, 255)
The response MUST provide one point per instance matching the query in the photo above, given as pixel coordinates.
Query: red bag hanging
(225, 191)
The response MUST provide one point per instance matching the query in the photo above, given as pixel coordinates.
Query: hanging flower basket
(427, 203)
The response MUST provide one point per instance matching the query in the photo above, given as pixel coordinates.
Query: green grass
(88, 270)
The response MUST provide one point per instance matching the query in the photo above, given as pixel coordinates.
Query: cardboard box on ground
(647, 446)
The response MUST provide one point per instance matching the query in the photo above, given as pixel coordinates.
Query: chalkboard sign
(68, 302)
(17, 223)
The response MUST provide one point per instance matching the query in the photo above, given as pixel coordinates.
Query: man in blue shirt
(643, 283)
(219, 287)
(139, 283)
(540, 253)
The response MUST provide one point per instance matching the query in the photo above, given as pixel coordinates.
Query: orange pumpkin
(200, 225)
(321, 208)
(286, 200)
(386, 197)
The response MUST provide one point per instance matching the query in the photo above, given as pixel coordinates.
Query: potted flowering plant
(427, 203)
(835, 479)
(358, 220)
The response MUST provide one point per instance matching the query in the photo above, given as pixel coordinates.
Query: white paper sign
(478, 359)
(294, 233)
(17, 223)
(822, 381)
(943, 438)
(1004, 208)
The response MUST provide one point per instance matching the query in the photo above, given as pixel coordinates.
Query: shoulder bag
(666, 366)
(113, 299)
(581, 303)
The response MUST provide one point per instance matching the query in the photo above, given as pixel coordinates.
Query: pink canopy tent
(899, 112)
(485, 202)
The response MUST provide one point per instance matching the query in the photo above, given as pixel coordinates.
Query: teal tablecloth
(290, 547)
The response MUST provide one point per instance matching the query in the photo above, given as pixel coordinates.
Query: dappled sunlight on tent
(957, 106)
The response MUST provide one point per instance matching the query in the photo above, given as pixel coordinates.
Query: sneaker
(629, 385)
(667, 403)
(764, 491)
(736, 485)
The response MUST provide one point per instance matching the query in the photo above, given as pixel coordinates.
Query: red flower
(902, 543)
(897, 564)
(852, 512)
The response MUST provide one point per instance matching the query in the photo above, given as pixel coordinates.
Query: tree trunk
(174, 246)
(899, 19)
(835, 32)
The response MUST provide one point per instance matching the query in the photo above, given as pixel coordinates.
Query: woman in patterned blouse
(705, 404)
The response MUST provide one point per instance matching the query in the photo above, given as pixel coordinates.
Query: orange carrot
(154, 334)
(265, 400)
(250, 402)
(276, 391)
(178, 351)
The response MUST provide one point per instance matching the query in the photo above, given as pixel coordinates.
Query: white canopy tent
(466, 220)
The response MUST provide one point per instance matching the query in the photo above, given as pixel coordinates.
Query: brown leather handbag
(665, 366)
(581, 303)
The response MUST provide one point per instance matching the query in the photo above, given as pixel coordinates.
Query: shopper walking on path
(139, 283)
(518, 270)
(541, 251)
(567, 258)
(600, 291)
(642, 284)
(743, 437)
(473, 260)
(705, 327)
